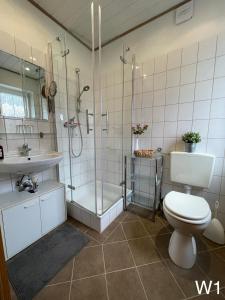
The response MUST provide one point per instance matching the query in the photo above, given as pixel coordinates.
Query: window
(16, 103)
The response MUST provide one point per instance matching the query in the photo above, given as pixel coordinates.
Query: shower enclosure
(93, 124)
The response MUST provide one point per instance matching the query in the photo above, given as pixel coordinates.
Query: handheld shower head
(85, 89)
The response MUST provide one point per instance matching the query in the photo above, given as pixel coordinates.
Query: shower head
(85, 89)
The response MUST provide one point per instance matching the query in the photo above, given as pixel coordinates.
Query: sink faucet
(25, 150)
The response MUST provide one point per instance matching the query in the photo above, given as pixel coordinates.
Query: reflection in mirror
(20, 88)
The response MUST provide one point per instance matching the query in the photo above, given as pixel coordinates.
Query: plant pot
(190, 147)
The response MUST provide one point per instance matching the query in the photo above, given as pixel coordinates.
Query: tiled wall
(182, 91)
(10, 138)
(109, 136)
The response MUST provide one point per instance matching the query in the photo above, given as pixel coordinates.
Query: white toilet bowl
(187, 214)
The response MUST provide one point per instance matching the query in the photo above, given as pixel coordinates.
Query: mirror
(21, 84)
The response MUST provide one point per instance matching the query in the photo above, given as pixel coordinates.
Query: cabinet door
(53, 212)
(22, 226)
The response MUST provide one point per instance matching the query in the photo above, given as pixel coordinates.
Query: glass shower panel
(108, 123)
(59, 74)
(75, 128)
(127, 112)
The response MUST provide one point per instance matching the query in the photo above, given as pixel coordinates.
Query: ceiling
(118, 16)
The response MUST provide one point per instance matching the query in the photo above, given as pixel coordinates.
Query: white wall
(162, 35)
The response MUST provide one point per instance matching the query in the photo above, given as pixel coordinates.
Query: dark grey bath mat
(30, 270)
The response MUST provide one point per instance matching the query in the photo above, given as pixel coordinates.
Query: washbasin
(30, 164)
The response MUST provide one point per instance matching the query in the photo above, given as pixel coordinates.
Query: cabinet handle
(42, 200)
(28, 206)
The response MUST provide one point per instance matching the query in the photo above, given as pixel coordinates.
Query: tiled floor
(129, 261)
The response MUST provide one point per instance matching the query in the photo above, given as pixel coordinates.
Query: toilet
(186, 213)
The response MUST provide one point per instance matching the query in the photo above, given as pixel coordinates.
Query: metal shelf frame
(156, 179)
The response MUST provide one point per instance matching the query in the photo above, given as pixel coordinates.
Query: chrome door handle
(87, 121)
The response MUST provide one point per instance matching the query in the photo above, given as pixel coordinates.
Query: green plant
(139, 129)
(191, 137)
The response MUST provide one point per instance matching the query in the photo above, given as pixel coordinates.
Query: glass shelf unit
(145, 180)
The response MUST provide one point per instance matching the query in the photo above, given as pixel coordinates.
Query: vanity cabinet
(22, 226)
(52, 210)
(27, 217)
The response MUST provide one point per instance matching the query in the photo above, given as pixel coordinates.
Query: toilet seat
(187, 208)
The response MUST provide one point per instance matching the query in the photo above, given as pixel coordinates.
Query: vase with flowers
(138, 130)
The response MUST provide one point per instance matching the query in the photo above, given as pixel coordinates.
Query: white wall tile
(221, 44)
(23, 50)
(173, 77)
(216, 147)
(188, 74)
(7, 42)
(160, 63)
(190, 54)
(201, 109)
(182, 127)
(38, 58)
(220, 66)
(157, 129)
(207, 48)
(147, 99)
(147, 84)
(174, 59)
(218, 108)
(219, 88)
(205, 69)
(187, 93)
(169, 144)
(157, 143)
(203, 90)
(170, 129)
(158, 114)
(171, 112)
(148, 68)
(2, 126)
(201, 126)
(185, 111)
(146, 115)
(216, 128)
(160, 81)
(218, 168)
(215, 184)
(159, 97)
(172, 95)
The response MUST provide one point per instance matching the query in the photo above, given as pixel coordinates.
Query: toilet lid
(187, 206)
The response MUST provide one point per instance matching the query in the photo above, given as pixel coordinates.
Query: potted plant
(191, 139)
(137, 131)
